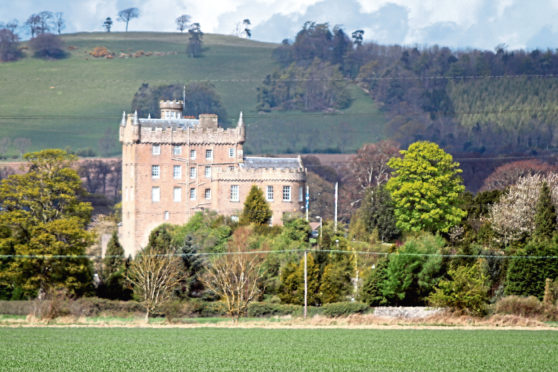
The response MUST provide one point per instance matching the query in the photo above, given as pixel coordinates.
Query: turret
(171, 109)
(241, 128)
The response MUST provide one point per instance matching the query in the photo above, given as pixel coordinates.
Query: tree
(48, 46)
(46, 218)
(9, 46)
(155, 274)
(59, 22)
(336, 281)
(358, 36)
(256, 210)
(114, 272)
(246, 25)
(371, 292)
(425, 189)
(377, 213)
(545, 214)
(291, 289)
(530, 267)
(235, 276)
(107, 24)
(466, 290)
(127, 15)
(193, 264)
(39, 23)
(513, 216)
(182, 22)
(195, 41)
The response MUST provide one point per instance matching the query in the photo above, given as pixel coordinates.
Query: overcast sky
(455, 23)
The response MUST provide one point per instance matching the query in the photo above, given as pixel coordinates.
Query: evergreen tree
(192, 264)
(256, 210)
(336, 281)
(114, 284)
(114, 256)
(528, 272)
(291, 289)
(377, 212)
(545, 217)
(371, 292)
(160, 239)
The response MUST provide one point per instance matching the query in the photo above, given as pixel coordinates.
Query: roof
(268, 162)
(169, 123)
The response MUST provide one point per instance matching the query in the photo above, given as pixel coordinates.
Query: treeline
(467, 101)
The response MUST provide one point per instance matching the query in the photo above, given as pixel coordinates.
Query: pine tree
(336, 282)
(256, 210)
(545, 218)
(114, 256)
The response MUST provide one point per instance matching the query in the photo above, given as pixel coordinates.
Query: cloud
(459, 24)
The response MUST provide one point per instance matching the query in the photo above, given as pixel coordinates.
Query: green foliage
(160, 239)
(545, 217)
(467, 290)
(425, 189)
(344, 308)
(200, 98)
(210, 232)
(530, 267)
(377, 212)
(256, 209)
(114, 284)
(193, 265)
(336, 281)
(114, 256)
(291, 290)
(265, 309)
(413, 270)
(316, 87)
(42, 215)
(371, 291)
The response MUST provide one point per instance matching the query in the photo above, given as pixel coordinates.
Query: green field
(47, 349)
(75, 101)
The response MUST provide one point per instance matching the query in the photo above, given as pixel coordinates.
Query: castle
(173, 167)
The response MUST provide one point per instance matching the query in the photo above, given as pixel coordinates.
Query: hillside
(77, 101)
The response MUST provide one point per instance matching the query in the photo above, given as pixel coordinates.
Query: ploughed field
(35, 349)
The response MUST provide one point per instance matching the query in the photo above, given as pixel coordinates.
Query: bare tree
(128, 14)
(12, 25)
(182, 22)
(39, 23)
(107, 24)
(236, 275)
(154, 276)
(32, 24)
(9, 45)
(22, 144)
(59, 22)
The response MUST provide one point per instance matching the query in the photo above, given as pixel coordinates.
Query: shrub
(466, 291)
(344, 308)
(522, 306)
(100, 52)
(207, 309)
(47, 46)
(263, 309)
(16, 307)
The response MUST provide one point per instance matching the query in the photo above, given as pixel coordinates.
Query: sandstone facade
(173, 167)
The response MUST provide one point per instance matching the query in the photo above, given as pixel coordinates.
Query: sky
(459, 24)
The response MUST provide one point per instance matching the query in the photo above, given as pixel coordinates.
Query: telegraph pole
(305, 284)
(335, 217)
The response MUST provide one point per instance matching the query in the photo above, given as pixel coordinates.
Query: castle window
(300, 194)
(155, 171)
(177, 194)
(207, 172)
(207, 194)
(269, 193)
(231, 152)
(177, 150)
(286, 193)
(192, 194)
(156, 150)
(209, 154)
(192, 154)
(177, 172)
(166, 215)
(193, 172)
(234, 193)
(155, 194)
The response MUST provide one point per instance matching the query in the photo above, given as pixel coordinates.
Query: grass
(42, 349)
(76, 101)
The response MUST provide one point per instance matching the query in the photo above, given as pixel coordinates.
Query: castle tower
(171, 109)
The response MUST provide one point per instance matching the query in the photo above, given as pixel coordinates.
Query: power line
(351, 252)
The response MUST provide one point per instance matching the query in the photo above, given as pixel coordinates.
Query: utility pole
(335, 217)
(305, 283)
(307, 201)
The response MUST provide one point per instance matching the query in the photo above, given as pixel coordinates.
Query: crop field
(55, 349)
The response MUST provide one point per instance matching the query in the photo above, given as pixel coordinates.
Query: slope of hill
(77, 102)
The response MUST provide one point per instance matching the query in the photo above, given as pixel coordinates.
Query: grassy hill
(77, 101)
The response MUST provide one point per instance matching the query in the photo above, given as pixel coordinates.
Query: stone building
(173, 167)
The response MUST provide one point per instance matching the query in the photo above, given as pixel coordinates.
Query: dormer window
(156, 150)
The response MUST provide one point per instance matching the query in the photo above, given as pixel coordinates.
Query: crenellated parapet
(242, 174)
